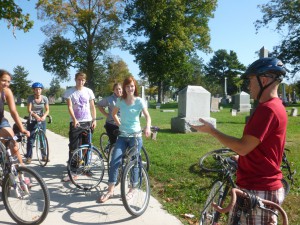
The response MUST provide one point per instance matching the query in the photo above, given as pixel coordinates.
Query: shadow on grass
(195, 169)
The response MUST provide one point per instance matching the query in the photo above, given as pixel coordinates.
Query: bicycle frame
(8, 165)
(228, 172)
(254, 201)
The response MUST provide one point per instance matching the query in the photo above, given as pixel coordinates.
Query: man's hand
(206, 127)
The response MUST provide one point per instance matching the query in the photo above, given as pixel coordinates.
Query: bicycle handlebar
(256, 202)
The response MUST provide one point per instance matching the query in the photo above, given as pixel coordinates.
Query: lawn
(176, 179)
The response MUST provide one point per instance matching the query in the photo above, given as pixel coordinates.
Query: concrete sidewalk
(70, 205)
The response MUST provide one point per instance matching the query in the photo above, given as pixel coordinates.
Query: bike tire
(139, 201)
(145, 158)
(42, 147)
(86, 167)
(209, 215)
(104, 145)
(286, 186)
(29, 208)
(209, 164)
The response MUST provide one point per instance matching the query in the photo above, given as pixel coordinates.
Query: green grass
(176, 179)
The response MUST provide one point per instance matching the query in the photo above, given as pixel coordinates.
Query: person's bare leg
(8, 132)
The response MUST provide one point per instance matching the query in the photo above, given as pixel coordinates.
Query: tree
(286, 17)
(55, 90)
(117, 71)
(14, 16)
(172, 31)
(20, 85)
(91, 27)
(224, 65)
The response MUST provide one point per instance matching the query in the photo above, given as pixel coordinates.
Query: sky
(232, 28)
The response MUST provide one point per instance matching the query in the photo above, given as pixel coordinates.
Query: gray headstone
(242, 102)
(193, 103)
(215, 105)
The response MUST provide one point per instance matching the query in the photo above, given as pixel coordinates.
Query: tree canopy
(165, 36)
(116, 70)
(14, 16)
(79, 34)
(224, 65)
(285, 15)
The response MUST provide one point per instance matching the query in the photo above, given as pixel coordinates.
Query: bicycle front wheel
(28, 203)
(104, 145)
(209, 216)
(208, 162)
(42, 147)
(135, 189)
(86, 168)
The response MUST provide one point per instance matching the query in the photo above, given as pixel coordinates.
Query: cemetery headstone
(215, 105)
(193, 103)
(233, 112)
(294, 112)
(242, 102)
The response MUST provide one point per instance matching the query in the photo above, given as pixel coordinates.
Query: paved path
(70, 205)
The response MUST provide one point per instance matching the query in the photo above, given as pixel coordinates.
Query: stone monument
(242, 102)
(193, 103)
(215, 105)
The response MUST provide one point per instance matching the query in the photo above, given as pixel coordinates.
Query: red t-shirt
(260, 169)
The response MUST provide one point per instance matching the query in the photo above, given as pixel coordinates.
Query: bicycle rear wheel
(86, 167)
(135, 189)
(42, 147)
(209, 216)
(208, 162)
(28, 204)
(145, 158)
(23, 145)
(104, 145)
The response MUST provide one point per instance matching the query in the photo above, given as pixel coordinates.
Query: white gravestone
(294, 112)
(193, 103)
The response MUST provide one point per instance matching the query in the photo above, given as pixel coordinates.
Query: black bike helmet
(266, 67)
(37, 85)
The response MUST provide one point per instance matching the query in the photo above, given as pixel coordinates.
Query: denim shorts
(4, 123)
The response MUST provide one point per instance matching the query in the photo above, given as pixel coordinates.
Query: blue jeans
(31, 127)
(120, 147)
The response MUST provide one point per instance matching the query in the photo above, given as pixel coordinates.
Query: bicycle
(143, 154)
(250, 202)
(208, 163)
(86, 164)
(24, 193)
(105, 145)
(106, 148)
(40, 141)
(134, 179)
(221, 161)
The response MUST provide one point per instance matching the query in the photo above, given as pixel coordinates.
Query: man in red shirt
(260, 149)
